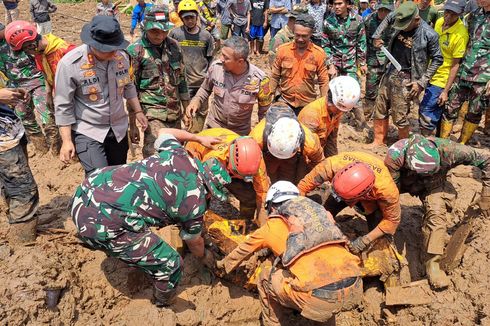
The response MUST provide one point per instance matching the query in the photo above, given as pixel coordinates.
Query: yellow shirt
(453, 43)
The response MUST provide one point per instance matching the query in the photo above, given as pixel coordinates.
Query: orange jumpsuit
(293, 287)
(384, 196)
(296, 167)
(261, 182)
(323, 123)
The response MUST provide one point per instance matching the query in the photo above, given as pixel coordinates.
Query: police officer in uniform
(91, 82)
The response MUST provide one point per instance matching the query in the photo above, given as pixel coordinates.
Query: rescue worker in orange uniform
(361, 181)
(319, 277)
(290, 149)
(323, 115)
(242, 157)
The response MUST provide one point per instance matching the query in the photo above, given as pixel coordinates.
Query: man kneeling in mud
(114, 207)
(319, 277)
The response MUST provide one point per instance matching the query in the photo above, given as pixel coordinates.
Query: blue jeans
(430, 112)
(274, 31)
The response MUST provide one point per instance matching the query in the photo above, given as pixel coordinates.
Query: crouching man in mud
(420, 166)
(319, 277)
(363, 182)
(114, 207)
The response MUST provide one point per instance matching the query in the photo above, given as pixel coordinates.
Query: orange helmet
(353, 182)
(18, 32)
(244, 158)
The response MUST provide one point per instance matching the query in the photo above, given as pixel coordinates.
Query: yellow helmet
(187, 5)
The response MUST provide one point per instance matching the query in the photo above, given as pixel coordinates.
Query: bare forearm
(133, 105)
(196, 246)
(65, 133)
(452, 76)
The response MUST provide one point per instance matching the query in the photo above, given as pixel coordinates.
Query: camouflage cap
(157, 17)
(422, 155)
(387, 4)
(215, 177)
(297, 10)
(405, 14)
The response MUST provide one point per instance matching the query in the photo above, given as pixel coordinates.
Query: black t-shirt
(402, 49)
(257, 14)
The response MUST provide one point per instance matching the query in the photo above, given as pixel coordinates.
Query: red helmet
(353, 181)
(18, 32)
(244, 159)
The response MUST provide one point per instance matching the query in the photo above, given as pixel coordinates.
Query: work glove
(359, 245)
(485, 202)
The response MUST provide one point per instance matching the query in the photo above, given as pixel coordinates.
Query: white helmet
(280, 191)
(284, 139)
(345, 92)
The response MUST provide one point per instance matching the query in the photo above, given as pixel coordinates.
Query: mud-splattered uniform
(434, 190)
(325, 125)
(37, 115)
(114, 208)
(383, 199)
(321, 276)
(18, 185)
(159, 77)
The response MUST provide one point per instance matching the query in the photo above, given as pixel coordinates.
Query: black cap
(104, 33)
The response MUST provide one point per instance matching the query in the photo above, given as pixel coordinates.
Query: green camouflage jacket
(19, 68)
(345, 41)
(452, 154)
(163, 189)
(159, 78)
(375, 57)
(476, 63)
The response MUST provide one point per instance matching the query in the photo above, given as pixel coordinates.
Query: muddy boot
(446, 128)
(380, 132)
(467, 131)
(164, 298)
(403, 132)
(22, 233)
(39, 142)
(486, 129)
(437, 277)
(360, 118)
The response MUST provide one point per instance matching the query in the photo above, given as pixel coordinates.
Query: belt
(323, 292)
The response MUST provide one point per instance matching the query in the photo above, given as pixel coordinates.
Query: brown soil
(99, 290)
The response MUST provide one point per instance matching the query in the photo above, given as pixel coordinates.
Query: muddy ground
(99, 290)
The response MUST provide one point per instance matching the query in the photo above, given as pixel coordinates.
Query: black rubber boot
(164, 298)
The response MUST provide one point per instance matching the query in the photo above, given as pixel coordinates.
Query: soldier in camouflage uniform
(114, 208)
(473, 83)
(159, 75)
(16, 181)
(36, 113)
(420, 166)
(375, 59)
(345, 45)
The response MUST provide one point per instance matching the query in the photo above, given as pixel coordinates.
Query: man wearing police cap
(91, 82)
(159, 75)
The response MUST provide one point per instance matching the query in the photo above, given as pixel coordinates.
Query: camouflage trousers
(373, 80)
(38, 118)
(143, 249)
(461, 92)
(197, 123)
(394, 98)
(276, 296)
(436, 203)
(151, 134)
(18, 185)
